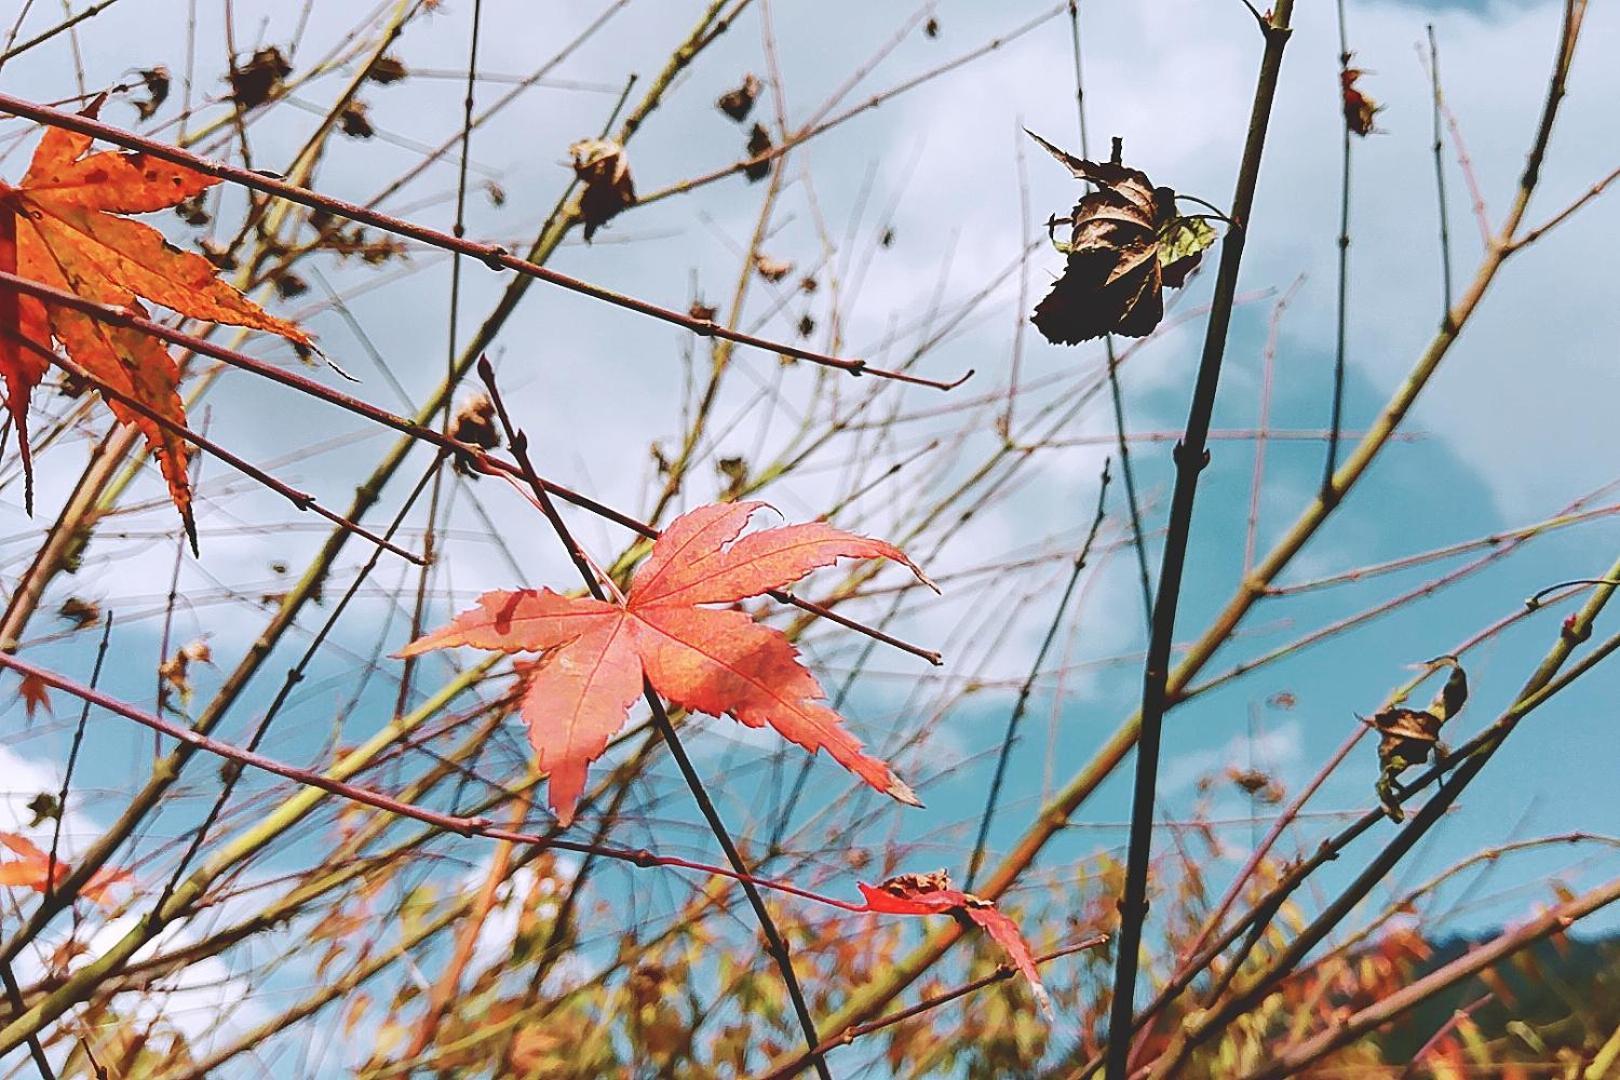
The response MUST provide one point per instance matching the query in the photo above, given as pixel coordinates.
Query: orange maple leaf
(33, 867)
(35, 695)
(933, 894)
(703, 659)
(60, 227)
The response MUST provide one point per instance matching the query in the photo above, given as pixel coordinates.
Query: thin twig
(492, 255)
(1011, 734)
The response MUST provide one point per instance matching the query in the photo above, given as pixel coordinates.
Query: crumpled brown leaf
(739, 102)
(603, 168)
(1127, 243)
(1407, 737)
(759, 142)
(254, 82)
(1359, 109)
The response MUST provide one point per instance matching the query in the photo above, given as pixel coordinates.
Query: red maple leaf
(62, 226)
(33, 867)
(599, 655)
(933, 894)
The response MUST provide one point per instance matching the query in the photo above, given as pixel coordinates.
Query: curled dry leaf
(739, 102)
(63, 225)
(33, 869)
(602, 167)
(254, 82)
(598, 656)
(772, 270)
(156, 81)
(387, 69)
(80, 612)
(474, 424)
(1359, 109)
(700, 310)
(759, 143)
(1126, 244)
(933, 894)
(1407, 737)
(355, 121)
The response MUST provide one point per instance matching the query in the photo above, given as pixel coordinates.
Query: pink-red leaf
(933, 894)
(718, 662)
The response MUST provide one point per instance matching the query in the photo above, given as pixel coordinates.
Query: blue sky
(1516, 425)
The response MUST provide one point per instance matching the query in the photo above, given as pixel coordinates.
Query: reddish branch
(484, 462)
(462, 826)
(492, 255)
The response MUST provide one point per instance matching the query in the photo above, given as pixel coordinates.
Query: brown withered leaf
(1407, 737)
(602, 167)
(194, 211)
(1127, 243)
(807, 326)
(254, 82)
(772, 270)
(808, 284)
(931, 27)
(700, 310)
(759, 142)
(494, 193)
(289, 285)
(386, 69)
(1359, 109)
(80, 612)
(739, 102)
(474, 424)
(156, 81)
(355, 121)
(1256, 783)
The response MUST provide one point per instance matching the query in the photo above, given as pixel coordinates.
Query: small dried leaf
(254, 82)
(44, 807)
(772, 270)
(602, 167)
(80, 612)
(1359, 109)
(759, 143)
(494, 193)
(807, 326)
(1125, 245)
(700, 310)
(355, 121)
(289, 285)
(931, 27)
(156, 81)
(387, 69)
(738, 103)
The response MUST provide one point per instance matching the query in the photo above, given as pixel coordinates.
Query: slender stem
(1011, 734)
(1190, 458)
(1343, 303)
(1122, 444)
(1440, 176)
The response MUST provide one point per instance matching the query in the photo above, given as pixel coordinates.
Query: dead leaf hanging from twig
(602, 167)
(739, 102)
(1127, 243)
